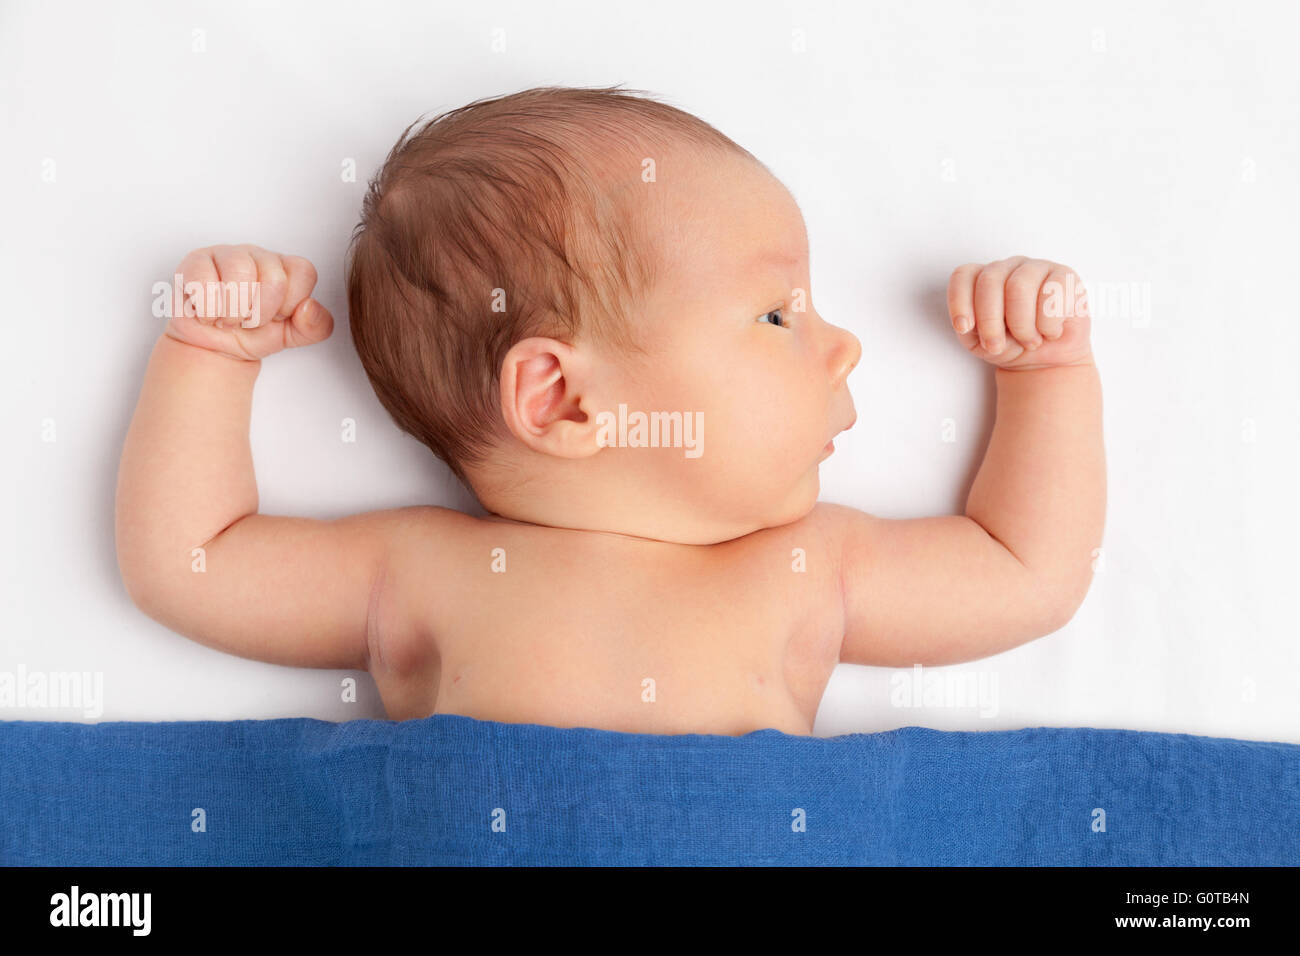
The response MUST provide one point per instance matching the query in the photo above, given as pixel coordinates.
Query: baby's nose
(845, 356)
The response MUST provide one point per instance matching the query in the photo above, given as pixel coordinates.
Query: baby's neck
(638, 509)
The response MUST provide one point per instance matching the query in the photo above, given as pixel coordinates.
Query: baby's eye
(767, 317)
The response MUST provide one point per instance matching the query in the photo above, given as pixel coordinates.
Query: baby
(596, 310)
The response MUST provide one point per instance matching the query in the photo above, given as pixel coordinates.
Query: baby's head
(595, 308)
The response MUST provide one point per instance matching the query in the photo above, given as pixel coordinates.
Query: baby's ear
(542, 383)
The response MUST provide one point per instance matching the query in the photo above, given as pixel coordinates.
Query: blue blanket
(453, 790)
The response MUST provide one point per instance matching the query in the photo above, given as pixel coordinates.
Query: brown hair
(513, 199)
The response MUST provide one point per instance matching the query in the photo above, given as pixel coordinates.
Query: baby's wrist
(1085, 361)
(192, 347)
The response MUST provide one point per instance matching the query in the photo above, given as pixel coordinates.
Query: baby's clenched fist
(247, 303)
(1021, 313)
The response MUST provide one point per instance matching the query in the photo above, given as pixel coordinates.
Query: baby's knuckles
(297, 264)
(271, 285)
(1041, 282)
(1022, 286)
(267, 275)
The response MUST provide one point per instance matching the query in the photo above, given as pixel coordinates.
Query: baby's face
(732, 333)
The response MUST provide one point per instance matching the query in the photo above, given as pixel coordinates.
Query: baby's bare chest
(636, 642)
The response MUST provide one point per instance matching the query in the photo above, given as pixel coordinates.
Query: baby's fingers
(990, 307)
(1058, 304)
(284, 283)
(301, 280)
(1021, 295)
(272, 285)
(961, 302)
(201, 286)
(237, 284)
(310, 323)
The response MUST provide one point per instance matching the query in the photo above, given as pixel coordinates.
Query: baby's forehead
(739, 218)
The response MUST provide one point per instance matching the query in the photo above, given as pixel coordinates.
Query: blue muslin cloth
(455, 790)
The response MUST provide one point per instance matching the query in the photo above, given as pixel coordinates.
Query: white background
(1153, 147)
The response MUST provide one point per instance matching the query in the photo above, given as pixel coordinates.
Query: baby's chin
(730, 515)
(799, 503)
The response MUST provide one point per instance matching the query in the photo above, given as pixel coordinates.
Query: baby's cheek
(775, 453)
(752, 435)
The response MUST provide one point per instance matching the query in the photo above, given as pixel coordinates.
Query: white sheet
(1154, 150)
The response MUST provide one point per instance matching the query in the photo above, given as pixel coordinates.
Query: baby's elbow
(139, 588)
(144, 584)
(1063, 602)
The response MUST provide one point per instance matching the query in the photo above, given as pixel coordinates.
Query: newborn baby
(596, 310)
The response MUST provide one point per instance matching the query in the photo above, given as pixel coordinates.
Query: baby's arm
(1017, 565)
(290, 591)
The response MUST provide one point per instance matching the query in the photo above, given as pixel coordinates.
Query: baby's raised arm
(1018, 563)
(193, 551)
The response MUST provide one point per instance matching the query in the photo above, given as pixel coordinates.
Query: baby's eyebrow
(775, 258)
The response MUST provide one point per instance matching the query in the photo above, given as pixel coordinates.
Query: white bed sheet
(1152, 148)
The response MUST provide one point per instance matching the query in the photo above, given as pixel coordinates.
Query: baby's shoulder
(424, 530)
(819, 531)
